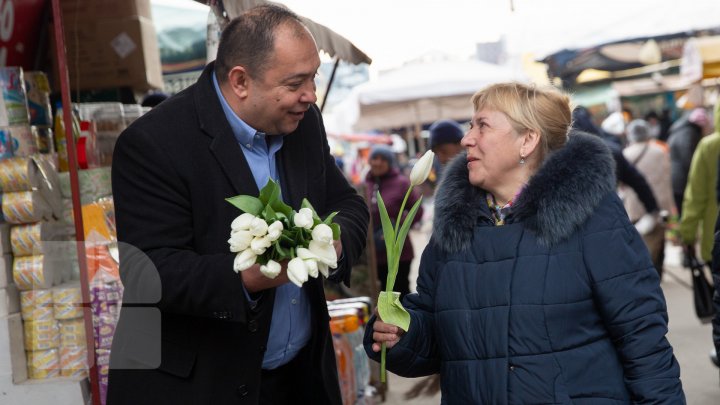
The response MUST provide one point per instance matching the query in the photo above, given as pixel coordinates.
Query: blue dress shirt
(290, 325)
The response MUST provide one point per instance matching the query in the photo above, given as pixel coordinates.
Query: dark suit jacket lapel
(224, 146)
(293, 175)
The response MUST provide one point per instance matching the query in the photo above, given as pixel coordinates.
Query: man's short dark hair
(248, 40)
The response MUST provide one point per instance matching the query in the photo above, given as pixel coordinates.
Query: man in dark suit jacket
(192, 330)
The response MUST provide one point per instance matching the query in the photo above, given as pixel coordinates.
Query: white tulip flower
(242, 223)
(259, 244)
(271, 269)
(325, 253)
(244, 260)
(322, 233)
(297, 271)
(304, 218)
(239, 241)
(275, 230)
(421, 170)
(311, 261)
(258, 227)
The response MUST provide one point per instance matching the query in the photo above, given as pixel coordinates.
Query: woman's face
(493, 150)
(379, 166)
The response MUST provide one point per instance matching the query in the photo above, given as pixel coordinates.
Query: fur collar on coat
(557, 200)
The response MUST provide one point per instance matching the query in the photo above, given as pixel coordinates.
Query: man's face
(278, 99)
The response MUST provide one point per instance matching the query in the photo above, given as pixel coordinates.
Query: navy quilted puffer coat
(560, 306)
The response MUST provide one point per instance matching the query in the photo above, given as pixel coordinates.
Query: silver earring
(522, 159)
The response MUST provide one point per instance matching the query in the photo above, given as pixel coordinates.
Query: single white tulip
(258, 227)
(325, 253)
(305, 254)
(421, 170)
(244, 260)
(323, 268)
(304, 218)
(322, 233)
(242, 223)
(275, 230)
(271, 269)
(239, 241)
(297, 271)
(310, 259)
(259, 244)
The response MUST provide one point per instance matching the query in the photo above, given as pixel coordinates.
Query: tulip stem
(383, 373)
(402, 209)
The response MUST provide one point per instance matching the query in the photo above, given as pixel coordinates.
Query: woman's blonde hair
(545, 110)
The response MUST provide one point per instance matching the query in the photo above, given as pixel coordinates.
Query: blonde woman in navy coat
(535, 287)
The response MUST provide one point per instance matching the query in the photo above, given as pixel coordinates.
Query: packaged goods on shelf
(6, 148)
(72, 332)
(38, 97)
(41, 335)
(38, 238)
(24, 207)
(102, 360)
(67, 302)
(13, 97)
(36, 305)
(44, 139)
(99, 221)
(43, 364)
(20, 140)
(38, 272)
(60, 136)
(344, 362)
(73, 361)
(94, 184)
(19, 174)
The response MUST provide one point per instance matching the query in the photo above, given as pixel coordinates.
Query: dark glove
(689, 258)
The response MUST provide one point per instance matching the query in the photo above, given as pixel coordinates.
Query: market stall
(60, 291)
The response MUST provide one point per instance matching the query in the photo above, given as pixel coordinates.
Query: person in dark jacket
(535, 286)
(385, 177)
(685, 134)
(625, 171)
(206, 334)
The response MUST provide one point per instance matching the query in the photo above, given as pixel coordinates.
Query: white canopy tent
(417, 93)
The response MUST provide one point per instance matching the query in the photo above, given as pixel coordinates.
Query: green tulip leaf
(336, 230)
(407, 222)
(268, 214)
(280, 207)
(391, 310)
(270, 193)
(246, 203)
(282, 253)
(329, 218)
(388, 232)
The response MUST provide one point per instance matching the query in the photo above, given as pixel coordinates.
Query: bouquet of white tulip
(270, 231)
(389, 306)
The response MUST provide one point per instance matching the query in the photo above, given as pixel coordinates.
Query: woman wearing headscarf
(385, 177)
(535, 287)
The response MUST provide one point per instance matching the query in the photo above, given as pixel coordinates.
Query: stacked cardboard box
(111, 44)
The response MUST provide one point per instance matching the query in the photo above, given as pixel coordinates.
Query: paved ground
(690, 339)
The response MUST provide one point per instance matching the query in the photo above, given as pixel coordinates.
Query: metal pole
(77, 209)
(332, 78)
